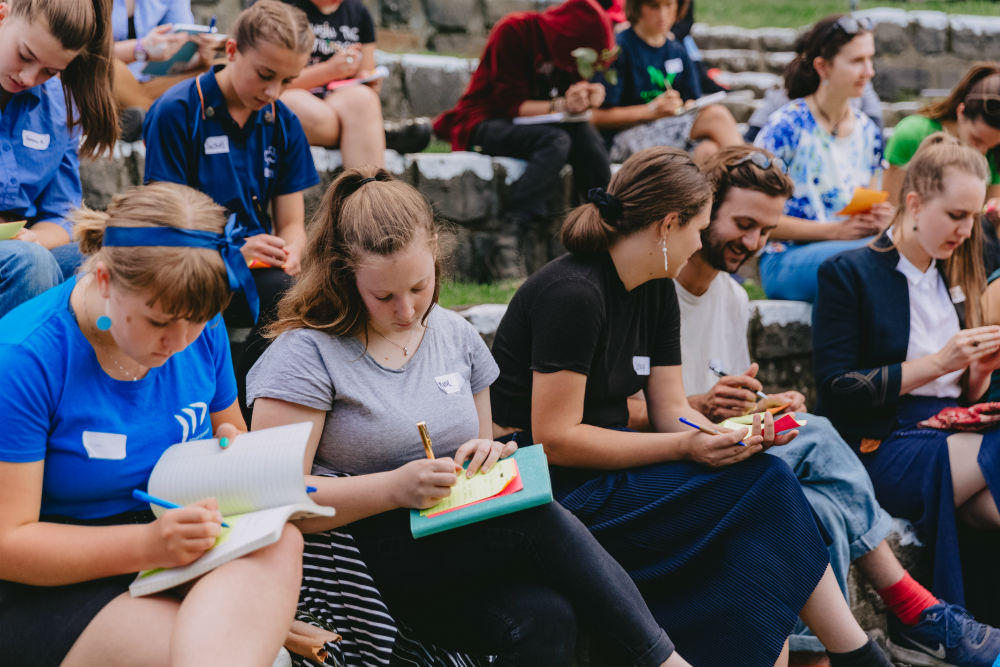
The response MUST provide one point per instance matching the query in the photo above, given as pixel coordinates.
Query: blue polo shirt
(241, 168)
(147, 15)
(645, 71)
(100, 437)
(39, 166)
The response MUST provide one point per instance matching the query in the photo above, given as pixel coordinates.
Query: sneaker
(947, 636)
(130, 122)
(408, 136)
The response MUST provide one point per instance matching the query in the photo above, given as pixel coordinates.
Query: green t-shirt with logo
(910, 132)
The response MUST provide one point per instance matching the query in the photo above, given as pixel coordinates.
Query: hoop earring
(666, 261)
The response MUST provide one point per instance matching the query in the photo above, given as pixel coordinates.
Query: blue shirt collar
(215, 100)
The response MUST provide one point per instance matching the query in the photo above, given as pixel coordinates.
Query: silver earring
(666, 262)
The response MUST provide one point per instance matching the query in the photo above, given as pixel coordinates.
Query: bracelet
(139, 52)
(557, 104)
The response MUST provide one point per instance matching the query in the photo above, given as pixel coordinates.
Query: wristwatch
(139, 53)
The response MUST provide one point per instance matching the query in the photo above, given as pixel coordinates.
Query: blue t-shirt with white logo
(191, 139)
(645, 71)
(100, 437)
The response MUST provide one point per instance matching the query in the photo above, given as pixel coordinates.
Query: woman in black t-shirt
(350, 117)
(700, 523)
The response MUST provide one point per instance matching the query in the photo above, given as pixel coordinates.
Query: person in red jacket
(528, 69)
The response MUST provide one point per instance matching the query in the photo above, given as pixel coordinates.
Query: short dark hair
(734, 167)
(632, 8)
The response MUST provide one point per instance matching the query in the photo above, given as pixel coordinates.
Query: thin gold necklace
(404, 348)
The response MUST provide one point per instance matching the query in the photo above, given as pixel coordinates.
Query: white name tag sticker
(38, 142)
(216, 145)
(450, 383)
(110, 446)
(641, 365)
(673, 66)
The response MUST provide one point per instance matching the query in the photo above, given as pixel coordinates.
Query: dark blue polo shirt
(39, 167)
(267, 157)
(645, 71)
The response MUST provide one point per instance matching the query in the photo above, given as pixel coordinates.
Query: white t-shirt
(933, 321)
(713, 330)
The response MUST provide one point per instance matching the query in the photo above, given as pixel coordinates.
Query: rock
(732, 37)
(460, 183)
(457, 43)
(897, 111)
(395, 103)
(930, 31)
(778, 61)
(975, 37)
(756, 82)
(105, 177)
(398, 12)
(777, 39)
(434, 83)
(454, 14)
(486, 318)
(780, 328)
(497, 9)
(732, 60)
(893, 81)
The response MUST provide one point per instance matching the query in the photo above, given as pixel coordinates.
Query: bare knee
(357, 104)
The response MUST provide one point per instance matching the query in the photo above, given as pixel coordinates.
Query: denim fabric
(515, 586)
(791, 274)
(26, 270)
(840, 492)
(69, 258)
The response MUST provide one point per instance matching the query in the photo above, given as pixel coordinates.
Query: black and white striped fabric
(338, 594)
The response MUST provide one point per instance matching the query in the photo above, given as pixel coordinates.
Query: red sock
(907, 599)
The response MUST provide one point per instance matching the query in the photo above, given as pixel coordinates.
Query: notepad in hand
(9, 230)
(186, 57)
(782, 423)
(515, 483)
(257, 482)
(863, 200)
(554, 117)
(379, 72)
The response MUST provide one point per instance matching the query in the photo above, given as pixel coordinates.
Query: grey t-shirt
(372, 411)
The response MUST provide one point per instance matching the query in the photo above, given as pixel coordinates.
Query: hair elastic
(228, 244)
(609, 205)
(367, 180)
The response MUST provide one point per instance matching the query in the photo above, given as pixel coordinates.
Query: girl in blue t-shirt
(656, 83)
(41, 118)
(107, 371)
(226, 133)
(830, 149)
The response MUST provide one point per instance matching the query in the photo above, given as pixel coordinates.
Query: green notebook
(533, 468)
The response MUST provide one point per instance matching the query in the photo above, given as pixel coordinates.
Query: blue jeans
(791, 275)
(26, 270)
(516, 586)
(69, 258)
(841, 494)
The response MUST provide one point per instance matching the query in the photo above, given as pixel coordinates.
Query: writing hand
(578, 97)
(181, 536)
(424, 482)
(723, 449)
(664, 104)
(732, 395)
(161, 43)
(793, 400)
(266, 248)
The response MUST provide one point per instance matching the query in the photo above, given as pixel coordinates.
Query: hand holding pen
(731, 396)
(183, 534)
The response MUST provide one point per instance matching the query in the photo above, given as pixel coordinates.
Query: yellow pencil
(425, 436)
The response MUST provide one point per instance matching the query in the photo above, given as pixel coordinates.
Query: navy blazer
(861, 329)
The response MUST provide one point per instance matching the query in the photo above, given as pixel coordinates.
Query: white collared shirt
(933, 321)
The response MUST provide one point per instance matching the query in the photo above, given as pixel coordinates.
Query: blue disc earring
(104, 322)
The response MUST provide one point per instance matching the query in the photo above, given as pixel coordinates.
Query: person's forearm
(51, 554)
(354, 498)
(699, 403)
(312, 76)
(798, 229)
(918, 372)
(619, 117)
(125, 50)
(585, 446)
(50, 235)
(536, 108)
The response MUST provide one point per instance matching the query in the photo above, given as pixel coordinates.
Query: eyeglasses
(758, 159)
(991, 103)
(849, 24)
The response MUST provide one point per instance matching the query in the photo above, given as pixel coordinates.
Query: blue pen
(211, 24)
(311, 489)
(706, 429)
(153, 500)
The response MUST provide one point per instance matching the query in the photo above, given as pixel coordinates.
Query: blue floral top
(824, 168)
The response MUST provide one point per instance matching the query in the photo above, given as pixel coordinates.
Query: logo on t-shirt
(450, 383)
(194, 422)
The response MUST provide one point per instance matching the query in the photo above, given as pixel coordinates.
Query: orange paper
(863, 200)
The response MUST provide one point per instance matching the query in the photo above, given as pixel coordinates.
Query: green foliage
(459, 293)
(754, 291)
(588, 63)
(797, 13)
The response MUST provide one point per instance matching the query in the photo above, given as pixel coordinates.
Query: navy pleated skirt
(912, 477)
(725, 558)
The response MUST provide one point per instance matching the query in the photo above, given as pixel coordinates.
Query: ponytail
(85, 26)
(649, 186)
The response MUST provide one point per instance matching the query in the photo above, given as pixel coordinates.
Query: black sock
(869, 655)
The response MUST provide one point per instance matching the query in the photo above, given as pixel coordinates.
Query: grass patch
(459, 293)
(437, 146)
(797, 13)
(754, 291)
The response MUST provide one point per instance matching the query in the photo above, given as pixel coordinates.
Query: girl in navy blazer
(892, 348)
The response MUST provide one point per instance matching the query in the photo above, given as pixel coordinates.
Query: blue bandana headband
(240, 278)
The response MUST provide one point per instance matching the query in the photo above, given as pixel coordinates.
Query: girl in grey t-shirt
(364, 353)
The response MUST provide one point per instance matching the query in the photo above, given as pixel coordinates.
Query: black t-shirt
(575, 315)
(349, 24)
